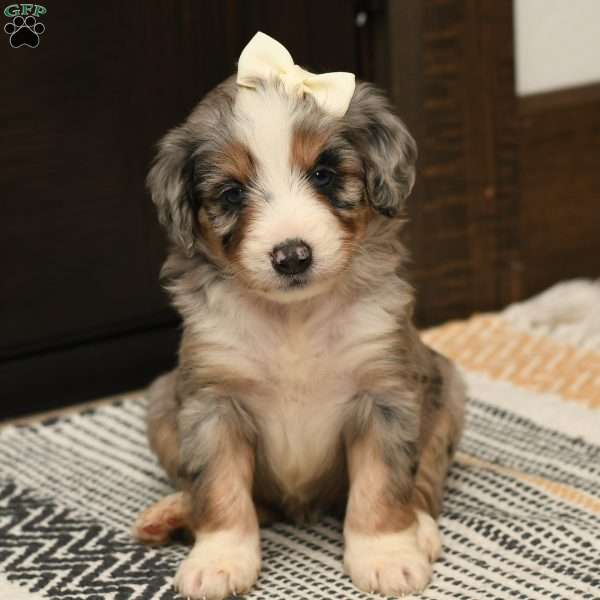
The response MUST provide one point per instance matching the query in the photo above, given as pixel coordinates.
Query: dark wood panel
(567, 98)
(82, 372)
(450, 74)
(560, 175)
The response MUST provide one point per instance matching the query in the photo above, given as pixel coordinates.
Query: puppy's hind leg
(156, 524)
(444, 412)
(161, 422)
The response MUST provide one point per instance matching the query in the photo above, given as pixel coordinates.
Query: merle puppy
(302, 385)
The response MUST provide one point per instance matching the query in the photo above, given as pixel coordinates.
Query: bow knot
(265, 58)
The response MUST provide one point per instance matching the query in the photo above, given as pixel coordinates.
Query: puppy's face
(277, 192)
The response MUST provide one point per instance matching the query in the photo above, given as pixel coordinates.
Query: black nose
(291, 257)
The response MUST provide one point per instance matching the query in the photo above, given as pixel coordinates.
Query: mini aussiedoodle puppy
(302, 385)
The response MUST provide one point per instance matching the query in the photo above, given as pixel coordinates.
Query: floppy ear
(388, 150)
(172, 183)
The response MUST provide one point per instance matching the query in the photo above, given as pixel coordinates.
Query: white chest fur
(304, 360)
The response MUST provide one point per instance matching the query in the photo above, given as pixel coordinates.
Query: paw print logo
(24, 31)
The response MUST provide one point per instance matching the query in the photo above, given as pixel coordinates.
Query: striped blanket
(521, 517)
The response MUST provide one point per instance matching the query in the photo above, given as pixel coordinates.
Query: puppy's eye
(322, 177)
(232, 195)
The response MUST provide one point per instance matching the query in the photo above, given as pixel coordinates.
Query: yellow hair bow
(265, 58)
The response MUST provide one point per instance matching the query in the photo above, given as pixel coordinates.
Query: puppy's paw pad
(215, 571)
(155, 524)
(391, 564)
(428, 536)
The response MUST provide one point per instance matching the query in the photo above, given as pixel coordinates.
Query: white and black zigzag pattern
(71, 488)
(67, 554)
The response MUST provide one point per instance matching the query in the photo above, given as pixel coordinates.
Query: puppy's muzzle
(291, 257)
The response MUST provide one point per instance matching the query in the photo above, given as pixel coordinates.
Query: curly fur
(297, 396)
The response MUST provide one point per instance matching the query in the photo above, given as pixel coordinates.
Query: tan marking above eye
(235, 161)
(307, 145)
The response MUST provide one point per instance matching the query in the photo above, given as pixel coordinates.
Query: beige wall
(557, 44)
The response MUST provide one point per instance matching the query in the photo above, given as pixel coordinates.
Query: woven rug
(521, 517)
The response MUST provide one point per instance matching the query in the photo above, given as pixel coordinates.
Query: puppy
(302, 386)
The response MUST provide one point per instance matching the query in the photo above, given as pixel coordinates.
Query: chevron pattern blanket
(521, 517)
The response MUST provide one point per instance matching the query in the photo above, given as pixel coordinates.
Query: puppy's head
(275, 191)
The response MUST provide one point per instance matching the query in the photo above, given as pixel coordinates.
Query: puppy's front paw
(393, 564)
(220, 564)
(428, 536)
